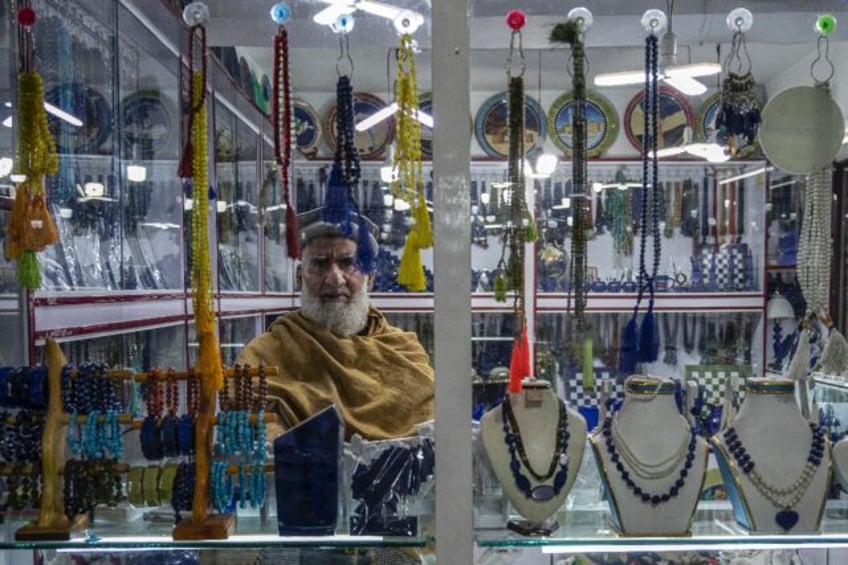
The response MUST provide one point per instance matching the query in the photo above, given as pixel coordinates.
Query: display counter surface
(249, 532)
(587, 530)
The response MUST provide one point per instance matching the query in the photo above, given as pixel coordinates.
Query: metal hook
(344, 53)
(826, 81)
(738, 47)
(520, 54)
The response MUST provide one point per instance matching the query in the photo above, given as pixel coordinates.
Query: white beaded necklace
(649, 470)
(815, 248)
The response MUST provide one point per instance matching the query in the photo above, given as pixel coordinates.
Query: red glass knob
(26, 16)
(515, 19)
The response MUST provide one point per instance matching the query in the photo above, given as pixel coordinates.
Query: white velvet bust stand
(536, 411)
(777, 437)
(653, 429)
(839, 456)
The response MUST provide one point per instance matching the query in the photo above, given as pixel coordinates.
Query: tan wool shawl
(381, 381)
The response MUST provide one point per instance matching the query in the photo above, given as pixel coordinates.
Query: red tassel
(519, 364)
(292, 242)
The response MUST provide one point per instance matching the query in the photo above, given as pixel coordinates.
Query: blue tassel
(649, 342)
(338, 203)
(365, 258)
(628, 353)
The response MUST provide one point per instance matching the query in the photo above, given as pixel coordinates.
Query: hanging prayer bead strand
(281, 108)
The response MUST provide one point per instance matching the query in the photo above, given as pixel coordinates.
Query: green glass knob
(826, 24)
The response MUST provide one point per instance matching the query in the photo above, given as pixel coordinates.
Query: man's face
(334, 291)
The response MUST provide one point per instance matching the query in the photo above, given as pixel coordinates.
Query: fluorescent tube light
(693, 70)
(390, 110)
(379, 9)
(620, 78)
(331, 13)
(746, 175)
(62, 115)
(685, 84)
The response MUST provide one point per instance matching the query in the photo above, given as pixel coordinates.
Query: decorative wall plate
(90, 107)
(705, 123)
(490, 125)
(307, 127)
(675, 115)
(148, 122)
(371, 143)
(601, 123)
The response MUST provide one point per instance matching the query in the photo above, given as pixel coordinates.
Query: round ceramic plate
(90, 107)
(601, 123)
(307, 127)
(675, 115)
(148, 122)
(490, 125)
(371, 143)
(705, 123)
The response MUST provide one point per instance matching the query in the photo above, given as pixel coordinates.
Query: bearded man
(339, 349)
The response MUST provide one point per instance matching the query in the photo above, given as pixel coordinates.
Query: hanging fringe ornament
(281, 114)
(339, 205)
(580, 334)
(519, 364)
(409, 184)
(31, 227)
(209, 355)
(642, 345)
(516, 226)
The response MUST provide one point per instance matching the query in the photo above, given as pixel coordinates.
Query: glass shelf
(713, 528)
(250, 532)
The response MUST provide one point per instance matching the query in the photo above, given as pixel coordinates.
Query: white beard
(344, 319)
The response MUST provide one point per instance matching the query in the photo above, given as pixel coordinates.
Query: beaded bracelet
(150, 485)
(36, 397)
(185, 428)
(134, 486)
(183, 493)
(222, 486)
(166, 482)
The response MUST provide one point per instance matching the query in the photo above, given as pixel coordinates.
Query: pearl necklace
(624, 471)
(512, 437)
(815, 247)
(784, 498)
(648, 470)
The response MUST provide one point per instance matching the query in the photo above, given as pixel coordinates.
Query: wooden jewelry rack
(53, 525)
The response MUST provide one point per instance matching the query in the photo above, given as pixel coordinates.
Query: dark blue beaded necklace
(615, 458)
(783, 498)
(558, 468)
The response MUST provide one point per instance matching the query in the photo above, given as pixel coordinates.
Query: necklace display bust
(535, 445)
(651, 461)
(776, 466)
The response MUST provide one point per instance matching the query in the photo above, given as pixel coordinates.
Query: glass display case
(115, 288)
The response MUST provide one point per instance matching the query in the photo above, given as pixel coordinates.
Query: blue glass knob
(344, 23)
(280, 13)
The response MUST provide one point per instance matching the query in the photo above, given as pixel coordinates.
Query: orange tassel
(519, 364)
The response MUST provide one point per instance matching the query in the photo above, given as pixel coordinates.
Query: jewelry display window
(277, 271)
(237, 211)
